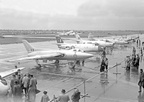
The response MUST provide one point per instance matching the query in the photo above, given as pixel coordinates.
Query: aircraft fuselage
(66, 55)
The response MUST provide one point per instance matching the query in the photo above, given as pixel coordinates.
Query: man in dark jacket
(76, 96)
(103, 65)
(141, 80)
(137, 61)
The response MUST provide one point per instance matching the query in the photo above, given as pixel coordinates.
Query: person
(17, 92)
(25, 83)
(83, 61)
(139, 42)
(133, 59)
(106, 64)
(32, 89)
(141, 53)
(12, 83)
(63, 97)
(102, 67)
(137, 61)
(16, 66)
(143, 45)
(127, 62)
(141, 80)
(73, 67)
(104, 52)
(134, 51)
(20, 73)
(76, 96)
(45, 97)
(78, 62)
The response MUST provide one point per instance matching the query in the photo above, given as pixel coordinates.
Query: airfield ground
(101, 87)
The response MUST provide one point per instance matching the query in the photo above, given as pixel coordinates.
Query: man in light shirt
(25, 83)
(63, 97)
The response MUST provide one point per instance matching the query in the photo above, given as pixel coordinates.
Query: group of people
(63, 97)
(132, 61)
(23, 85)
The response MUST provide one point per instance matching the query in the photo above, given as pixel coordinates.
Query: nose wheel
(39, 65)
(57, 62)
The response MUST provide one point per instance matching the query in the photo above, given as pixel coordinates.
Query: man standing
(12, 83)
(32, 89)
(103, 65)
(63, 97)
(127, 62)
(25, 83)
(141, 80)
(76, 96)
(106, 64)
(17, 92)
(137, 61)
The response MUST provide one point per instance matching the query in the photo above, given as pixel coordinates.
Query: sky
(72, 14)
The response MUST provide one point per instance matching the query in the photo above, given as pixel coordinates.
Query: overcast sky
(72, 14)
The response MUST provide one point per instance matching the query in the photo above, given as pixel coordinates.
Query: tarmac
(118, 85)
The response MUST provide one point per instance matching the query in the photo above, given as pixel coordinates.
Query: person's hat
(45, 92)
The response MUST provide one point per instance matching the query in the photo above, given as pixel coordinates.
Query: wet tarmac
(117, 85)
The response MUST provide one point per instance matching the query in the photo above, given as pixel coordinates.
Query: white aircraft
(4, 87)
(67, 33)
(114, 39)
(98, 42)
(81, 47)
(45, 54)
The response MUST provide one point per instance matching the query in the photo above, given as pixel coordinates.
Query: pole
(116, 73)
(84, 90)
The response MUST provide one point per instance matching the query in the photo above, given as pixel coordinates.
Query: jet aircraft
(98, 42)
(67, 33)
(45, 54)
(114, 39)
(81, 47)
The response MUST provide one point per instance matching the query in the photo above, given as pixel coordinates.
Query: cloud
(92, 15)
(127, 8)
(13, 19)
(117, 8)
(93, 8)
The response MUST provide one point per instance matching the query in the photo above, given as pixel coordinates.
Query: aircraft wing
(38, 57)
(9, 72)
(14, 36)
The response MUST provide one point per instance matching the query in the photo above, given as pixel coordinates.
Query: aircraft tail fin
(90, 37)
(59, 39)
(28, 47)
(77, 36)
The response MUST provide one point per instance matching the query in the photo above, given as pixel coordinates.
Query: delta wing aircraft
(45, 54)
(4, 87)
(81, 47)
(98, 42)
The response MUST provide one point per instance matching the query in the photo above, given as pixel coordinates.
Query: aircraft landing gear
(39, 65)
(57, 62)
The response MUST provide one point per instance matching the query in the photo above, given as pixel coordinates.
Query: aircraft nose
(85, 55)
